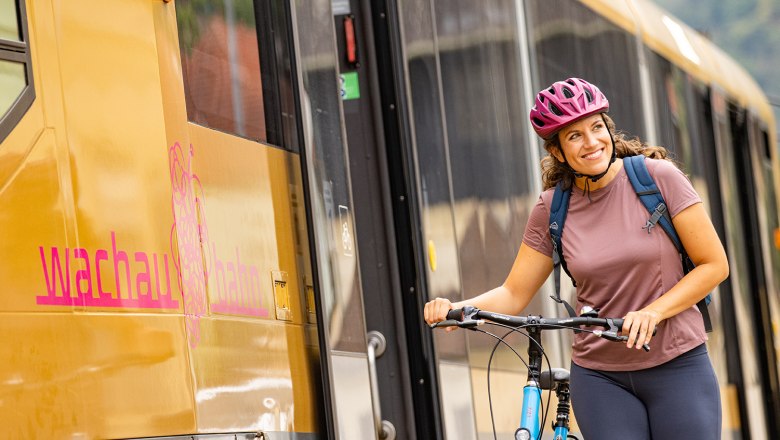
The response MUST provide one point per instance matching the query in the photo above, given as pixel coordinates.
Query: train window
(569, 39)
(234, 67)
(16, 89)
(9, 25)
(12, 82)
(676, 113)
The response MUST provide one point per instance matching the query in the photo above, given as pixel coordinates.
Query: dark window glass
(16, 91)
(570, 40)
(235, 61)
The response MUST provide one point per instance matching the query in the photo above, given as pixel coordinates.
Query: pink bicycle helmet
(565, 102)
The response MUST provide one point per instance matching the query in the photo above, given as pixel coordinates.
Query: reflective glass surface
(329, 182)
(9, 25)
(221, 66)
(474, 161)
(570, 40)
(12, 82)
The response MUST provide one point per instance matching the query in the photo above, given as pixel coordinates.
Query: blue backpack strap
(651, 198)
(558, 210)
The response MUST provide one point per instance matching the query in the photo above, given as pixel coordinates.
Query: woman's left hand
(639, 326)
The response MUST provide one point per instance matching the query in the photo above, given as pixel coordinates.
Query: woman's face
(586, 145)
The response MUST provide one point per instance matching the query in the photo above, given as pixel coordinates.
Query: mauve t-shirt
(620, 267)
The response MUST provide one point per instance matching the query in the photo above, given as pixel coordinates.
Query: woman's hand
(639, 326)
(436, 311)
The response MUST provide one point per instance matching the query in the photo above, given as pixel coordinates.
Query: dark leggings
(676, 400)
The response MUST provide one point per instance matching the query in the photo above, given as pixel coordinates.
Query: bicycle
(552, 379)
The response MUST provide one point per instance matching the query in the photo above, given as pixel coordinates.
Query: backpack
(651, 197)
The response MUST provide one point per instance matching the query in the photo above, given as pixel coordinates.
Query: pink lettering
(101, 255)
(143, 277)
(232, 285)
(120, 256)
(84, 274)
(58, 287)
(51, 284)
(235, 288)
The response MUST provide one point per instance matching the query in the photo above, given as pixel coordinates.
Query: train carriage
(221, 219)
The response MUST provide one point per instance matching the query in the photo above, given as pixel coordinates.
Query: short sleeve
(674, 185)
(537, 231)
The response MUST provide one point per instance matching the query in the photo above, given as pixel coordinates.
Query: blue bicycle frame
(530, 425)
(530, 422)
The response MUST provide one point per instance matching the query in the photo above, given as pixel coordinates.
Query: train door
(431, 96)
(377, 384)
(404, 398)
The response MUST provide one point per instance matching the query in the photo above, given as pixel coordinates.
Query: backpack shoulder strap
(558, 210)
(651, 198)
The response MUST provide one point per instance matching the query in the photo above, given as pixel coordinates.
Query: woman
(621, 269)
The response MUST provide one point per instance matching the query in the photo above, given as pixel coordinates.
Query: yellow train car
(221, 218)
(153, 279)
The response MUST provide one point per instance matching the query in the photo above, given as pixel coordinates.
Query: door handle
(376, 347)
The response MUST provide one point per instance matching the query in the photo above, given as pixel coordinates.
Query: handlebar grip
(446, 323)
(455, 314)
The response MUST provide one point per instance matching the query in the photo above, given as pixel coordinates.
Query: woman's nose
(590, 139)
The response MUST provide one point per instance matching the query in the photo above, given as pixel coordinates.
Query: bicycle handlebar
(469, 317)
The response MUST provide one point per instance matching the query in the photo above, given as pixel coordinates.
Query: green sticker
(350, 87)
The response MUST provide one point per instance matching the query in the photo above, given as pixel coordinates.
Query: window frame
(18, 51)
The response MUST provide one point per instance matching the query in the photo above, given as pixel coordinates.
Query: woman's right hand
(436, 311)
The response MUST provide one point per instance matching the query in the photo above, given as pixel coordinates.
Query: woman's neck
(613, 171)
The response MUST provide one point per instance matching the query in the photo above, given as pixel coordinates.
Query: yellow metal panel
(118, 155)
(238, 222)
(31, 219)
(616, 11)
(93, 376)
(253, 375)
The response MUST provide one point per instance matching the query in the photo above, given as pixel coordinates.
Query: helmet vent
(554, 108)
(567, 92)
(552, 90)
(587, 93)
(538, 122)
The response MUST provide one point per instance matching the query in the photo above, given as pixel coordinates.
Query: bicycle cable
(546, 410)
(500, 340)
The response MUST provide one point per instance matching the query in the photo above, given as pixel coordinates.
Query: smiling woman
(16, 88)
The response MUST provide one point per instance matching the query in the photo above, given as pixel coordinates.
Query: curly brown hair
(554, 171)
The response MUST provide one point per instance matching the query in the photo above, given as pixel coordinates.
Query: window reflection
(9, 25)
(12, 82)
(569, 40)
(221, 66)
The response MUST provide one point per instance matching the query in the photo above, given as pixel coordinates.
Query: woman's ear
(556, 153)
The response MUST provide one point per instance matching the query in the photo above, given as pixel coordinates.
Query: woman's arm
(703, 246)
(529, 271)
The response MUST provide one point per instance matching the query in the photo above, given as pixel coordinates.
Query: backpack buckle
(659, 212)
